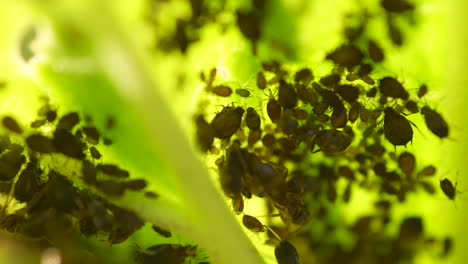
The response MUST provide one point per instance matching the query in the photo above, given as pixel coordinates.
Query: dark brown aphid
(330, 98)
(347, 193)
(427, 186)
(339, 118)
(10, 164)
(252, 223)
(447, 246)
(221, 90)
(274, 110)
(111, 187)
(62, 194)
(113, 170)
(394, 32)
(406, 162)
(352, 77)
(94, 152)
(412, 106)
(161, 231)
(347, 56)
(391, 87)
(125, 224)
(68, 144)
(92, 134)
(397, 128)
(448, 188)
(226, 123)
(354, 112)
(233, 171)
(287, 96)
(28, 183)
(372, 92)
(38, 123)
(152, 195)
(396, 6)
(304, 76)
(435, 122)
(422, 90)
(11, 124)
(286, 253)
(110, 122)
(330, 80)
(238, 204)
(348, 92)
(367, 79)
(346, 172)
(288, 125)
(411, 229)
(375, 52)
(68, 121)
(254, 137)
(269, 140)
(89, 172)
(300, 114)
(40, 143)
(136, 185)
(51, 115)
(364, 70)
(205, 133)
(332, 140)
(428, 171)
(252, 119)
(249, 25)
(261, 81)
(243, 92)
(165, 253)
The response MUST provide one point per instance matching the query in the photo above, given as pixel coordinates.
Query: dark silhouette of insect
(396, 6)
(286, 253)
(268, 140)
(254, 137)
(407, 163)
(347, 193)
(448, 188)
(390, 87)
(300, 114)
(249, 25)
(367, 79)
(435, 122)
(205, 133)
(11, 124)
(330, 80)
(68, 144)
(252, 119)
(233, 171)
(111, 188)
(226, 123)
(375, 52)
(243, 92)
(161, 231)
(394, 32)
(68, 121)
(354, 112)
(107, 141)
(339, 118)
(152, 195)
(287, 96)
(347, 56)
(428, 171)
(221, 90)
(261, 81)
(397, 129)
(372, 92)
(28, 183)
(40, 143)
(364, 70)
(252, 223)
(330, 98)
(304, 76)
(10, 164)
(412, 106)
(447, 246)
(38, 123)
(348, 92)
(274, 110)
(94, 152)
(110, 122)
(422, 90)
(113, 170)
(89, 172)
(238, 204)
(92, 134)
(136, 185)
(332, 140)
(165, 253)
(51, 115)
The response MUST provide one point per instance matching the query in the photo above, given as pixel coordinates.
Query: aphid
(364, 70)
(394, 32)
(347, 56)
(447, 187)
(346, 172)
(238, 204)
(330, 98)
(205, 133)
(288, 125)
(352, 77)
(367, 79)
(152, 195)
(107, 141)
(161, 231)
(375, 52)
(221, 90)
(62, 194)
(412, 106)
(320, 109)
(92, 134)
(304, 76)
(347, 193)
(11, 124)
(243, 92)
(252, 119)
(252, 223)
(136, 185)
(330, 80)
(226, 123)
(427, 186)
(10, 164)
(390, 87)
(286, 253)
(51, 115)
(68, 144)
(261, 81)
(339, 118)
(435, 122)
(300, 114)
(332, 140)
(94, 152)
(396, 6)
(125, 224)
(113, 170)
(269, 140)
(372, 92)
(233, 171)
(354, 112)
(111, 187)
(447, 246)
(249, 25)
(89, 172)
(38, 123)
(110, 122)
(406, 162)
(28, 184)
(428, 171)
(287, 96)
(397, 129)
(274, 110)
(254, 137)
(165, 253)
(411, 229)
(348, 92)
(422, 90)
(68, 121)
(40, 143)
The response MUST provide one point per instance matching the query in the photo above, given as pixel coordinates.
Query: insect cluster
(305, 147)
